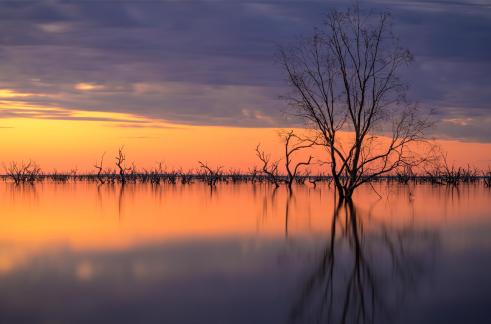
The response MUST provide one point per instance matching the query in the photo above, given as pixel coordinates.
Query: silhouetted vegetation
(487, 178)
(99, 167)
(24, 172)
(441, 174)
(293, 144)
(120, 163)
(209, 175)
(269, 168)
(345, 78)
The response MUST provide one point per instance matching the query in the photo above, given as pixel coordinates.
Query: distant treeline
(30, 173)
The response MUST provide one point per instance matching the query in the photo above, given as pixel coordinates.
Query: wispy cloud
(23, 109)
(212, 62)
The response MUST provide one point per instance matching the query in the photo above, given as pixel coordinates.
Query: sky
(183, 80)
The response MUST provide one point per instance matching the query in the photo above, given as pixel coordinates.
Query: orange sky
(65, 139)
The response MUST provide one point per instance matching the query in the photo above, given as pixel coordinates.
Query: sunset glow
(245, 162)
(174, 145)
(64, 139)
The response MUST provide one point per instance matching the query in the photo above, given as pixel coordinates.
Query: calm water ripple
(243, 253)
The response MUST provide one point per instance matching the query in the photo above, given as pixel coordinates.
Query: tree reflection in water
(366, 270)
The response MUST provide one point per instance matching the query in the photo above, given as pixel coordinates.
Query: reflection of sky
(221, 282)
(222, 275)
(185, 282)
(212, 62)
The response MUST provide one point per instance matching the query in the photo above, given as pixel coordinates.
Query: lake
(244, 253)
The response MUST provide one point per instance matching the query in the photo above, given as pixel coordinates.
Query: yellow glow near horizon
(63, 139)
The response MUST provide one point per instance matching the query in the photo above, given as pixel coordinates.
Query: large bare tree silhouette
(345, 78)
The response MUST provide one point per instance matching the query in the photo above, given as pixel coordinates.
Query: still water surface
(80, 253)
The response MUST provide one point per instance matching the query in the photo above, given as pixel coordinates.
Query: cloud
(88, 86)
(212, 62)
(465, 129)
(21, 109)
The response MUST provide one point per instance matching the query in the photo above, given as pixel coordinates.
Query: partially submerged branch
(294, 144)
(269, 168)
(211, 175)
(24, 172)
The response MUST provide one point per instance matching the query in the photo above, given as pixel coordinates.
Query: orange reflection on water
(85, 216)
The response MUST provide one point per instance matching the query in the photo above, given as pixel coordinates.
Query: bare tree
(487, 178)
(212, 176)
(99, 167)
(25, 172)
(120, 159)
(344, 78)
(269, 168)
(253, 172)
(293, 144)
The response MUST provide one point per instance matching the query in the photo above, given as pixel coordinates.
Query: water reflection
(79, 252)
(363, 277)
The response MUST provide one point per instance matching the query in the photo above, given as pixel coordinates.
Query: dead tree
(487, 178)
(270, 169)
(404, 175)
(449, 174)
(294, 144)
(212, 176)
(186, 177)
(314, 179)
(99, 167)
(25, 172)
(344, 79)
(253, 172)
(120, 164)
